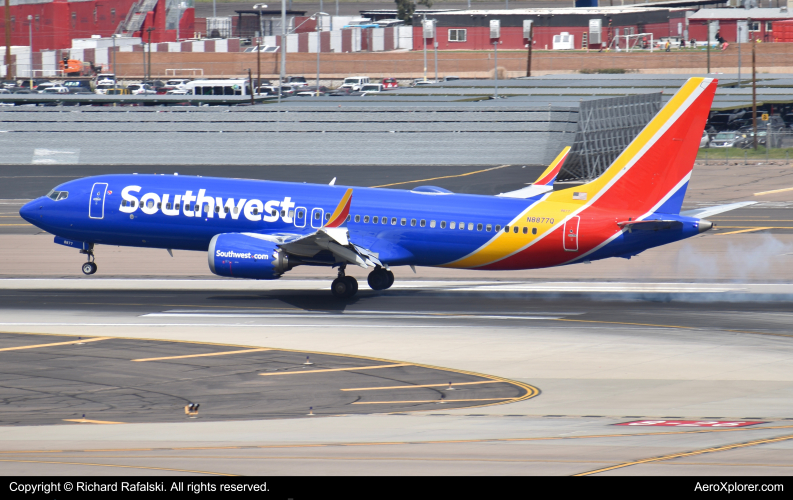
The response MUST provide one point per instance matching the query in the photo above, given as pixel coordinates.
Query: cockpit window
(58, 195)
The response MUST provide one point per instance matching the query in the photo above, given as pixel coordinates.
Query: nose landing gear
(90, 266)
(380, 279)
(344, 287)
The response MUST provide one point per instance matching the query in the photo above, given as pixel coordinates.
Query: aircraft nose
(29, 209)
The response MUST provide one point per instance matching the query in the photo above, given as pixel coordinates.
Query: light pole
(7, 12)
(424, 35)
(115, 77)
(30, 35)
(259, 7)
(149, 30)
(739, 56)
(319, 39)
(283, 50)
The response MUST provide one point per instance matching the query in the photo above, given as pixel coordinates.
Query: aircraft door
(571, 234)
(96, 208)
(300, 217)
(317, 216)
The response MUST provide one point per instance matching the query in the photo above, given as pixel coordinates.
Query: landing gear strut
(344, 287)
(90, 266)
(380, 279)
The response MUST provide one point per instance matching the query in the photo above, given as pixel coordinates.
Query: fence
(775, 144)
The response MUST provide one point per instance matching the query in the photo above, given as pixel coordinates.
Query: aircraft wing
(333, 236)
(544, 182)
(701, 213)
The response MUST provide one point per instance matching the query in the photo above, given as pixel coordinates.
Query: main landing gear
(380, 279)
(90, 266)
(344, 287)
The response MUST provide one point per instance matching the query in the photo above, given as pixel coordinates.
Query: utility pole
(739, 56)
(707, 40)
(149, 30)
(7, 12)
(495, 73)
(435, 44)
(283, 50)
(424, 36)
(319, 42)
(115, 75)
(259, 7)
(754, 96)
(30, 34)
(528, 62)
(250, 82)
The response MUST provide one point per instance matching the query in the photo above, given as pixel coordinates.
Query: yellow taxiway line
(747, 230)
(84, 421)
(351, 368)
(444, 177)
(223, 353)
(79, 341)
(428, 401)
(418, 386)
(690, 454)
(761, 193)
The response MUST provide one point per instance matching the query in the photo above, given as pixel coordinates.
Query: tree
(406, 8)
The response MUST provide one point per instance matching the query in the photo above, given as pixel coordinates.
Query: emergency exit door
(96, 207)
(571, 234)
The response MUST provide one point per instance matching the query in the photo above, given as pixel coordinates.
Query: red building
(755, 24)
(56, 22)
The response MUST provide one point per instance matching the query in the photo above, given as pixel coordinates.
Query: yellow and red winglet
(339, 216)
(547, 177)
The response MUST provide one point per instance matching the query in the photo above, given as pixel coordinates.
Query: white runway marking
(243, 325)
(466, 317)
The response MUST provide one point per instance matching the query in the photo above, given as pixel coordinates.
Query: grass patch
(736, 154)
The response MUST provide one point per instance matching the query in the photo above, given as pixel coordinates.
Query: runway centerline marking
(84, 421)
(36, 346)
(746, 231)
(672, 456)
(223, 353)
(352, 368)
(428, 401)
(418, 386)
(444, 177)
(116, 465)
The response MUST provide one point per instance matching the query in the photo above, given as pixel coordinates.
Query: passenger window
(327, 216)
(498, 227)
(179, 205)
(393, 221)
(349, 217)
(422, 223)
(375, 219)
(236, 209)
(534, 230)
(217, 209)
(452, 225)
(489, 228)
(506, 229)
(366, 218)
(225, 209)
(168, 206)
(412, 222)
(256, 211)
(525, 230)
(150, 204)
(357, 218)
(291, 213)
(515, 229)
(316, 215)
(443, 224)
(462, 225)
(159, 205)
(404, 221)
(470, 226)
(432, 223)
(385, 220)
(272, 212)
(283, 213)
(479, 227)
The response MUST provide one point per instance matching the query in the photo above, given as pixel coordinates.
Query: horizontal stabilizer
(701, 213)
(544, 182)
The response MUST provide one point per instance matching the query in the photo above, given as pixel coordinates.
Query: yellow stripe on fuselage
(559, 205)
(340, 206)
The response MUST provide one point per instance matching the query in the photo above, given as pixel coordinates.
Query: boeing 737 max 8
(261, 229)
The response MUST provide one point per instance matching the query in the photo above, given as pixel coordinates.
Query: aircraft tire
(390, 279)
(340, 288)
(378, 279)
(89, 268)
(353, 286)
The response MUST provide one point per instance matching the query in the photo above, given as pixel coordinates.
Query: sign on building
(495, 28)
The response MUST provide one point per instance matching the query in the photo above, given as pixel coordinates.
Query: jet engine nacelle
(240, 255)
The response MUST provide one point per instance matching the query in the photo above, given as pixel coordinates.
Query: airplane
(261, 229)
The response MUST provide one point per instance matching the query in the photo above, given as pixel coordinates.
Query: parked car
(705, 141)
(102, 88)
(355, 82)
(390, 83)
(55, 89)
(296, 81)
(177, 83)
(8, 84)
(178, 92)
(141, 89)
(103, 78)
(311, 90)
(361, 23)
(117, 91)
(372, 88)
(766, 136)
(450, 78)
(76, 86)
(420, 82)
(5, 91)
(341, 91)
(725, 139)
(724, 121)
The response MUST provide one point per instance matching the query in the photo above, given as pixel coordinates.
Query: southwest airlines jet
(260, 230)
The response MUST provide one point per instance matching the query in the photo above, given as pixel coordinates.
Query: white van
(355, 82)
(218, 87)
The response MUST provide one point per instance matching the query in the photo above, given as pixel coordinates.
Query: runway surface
(601, 354)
